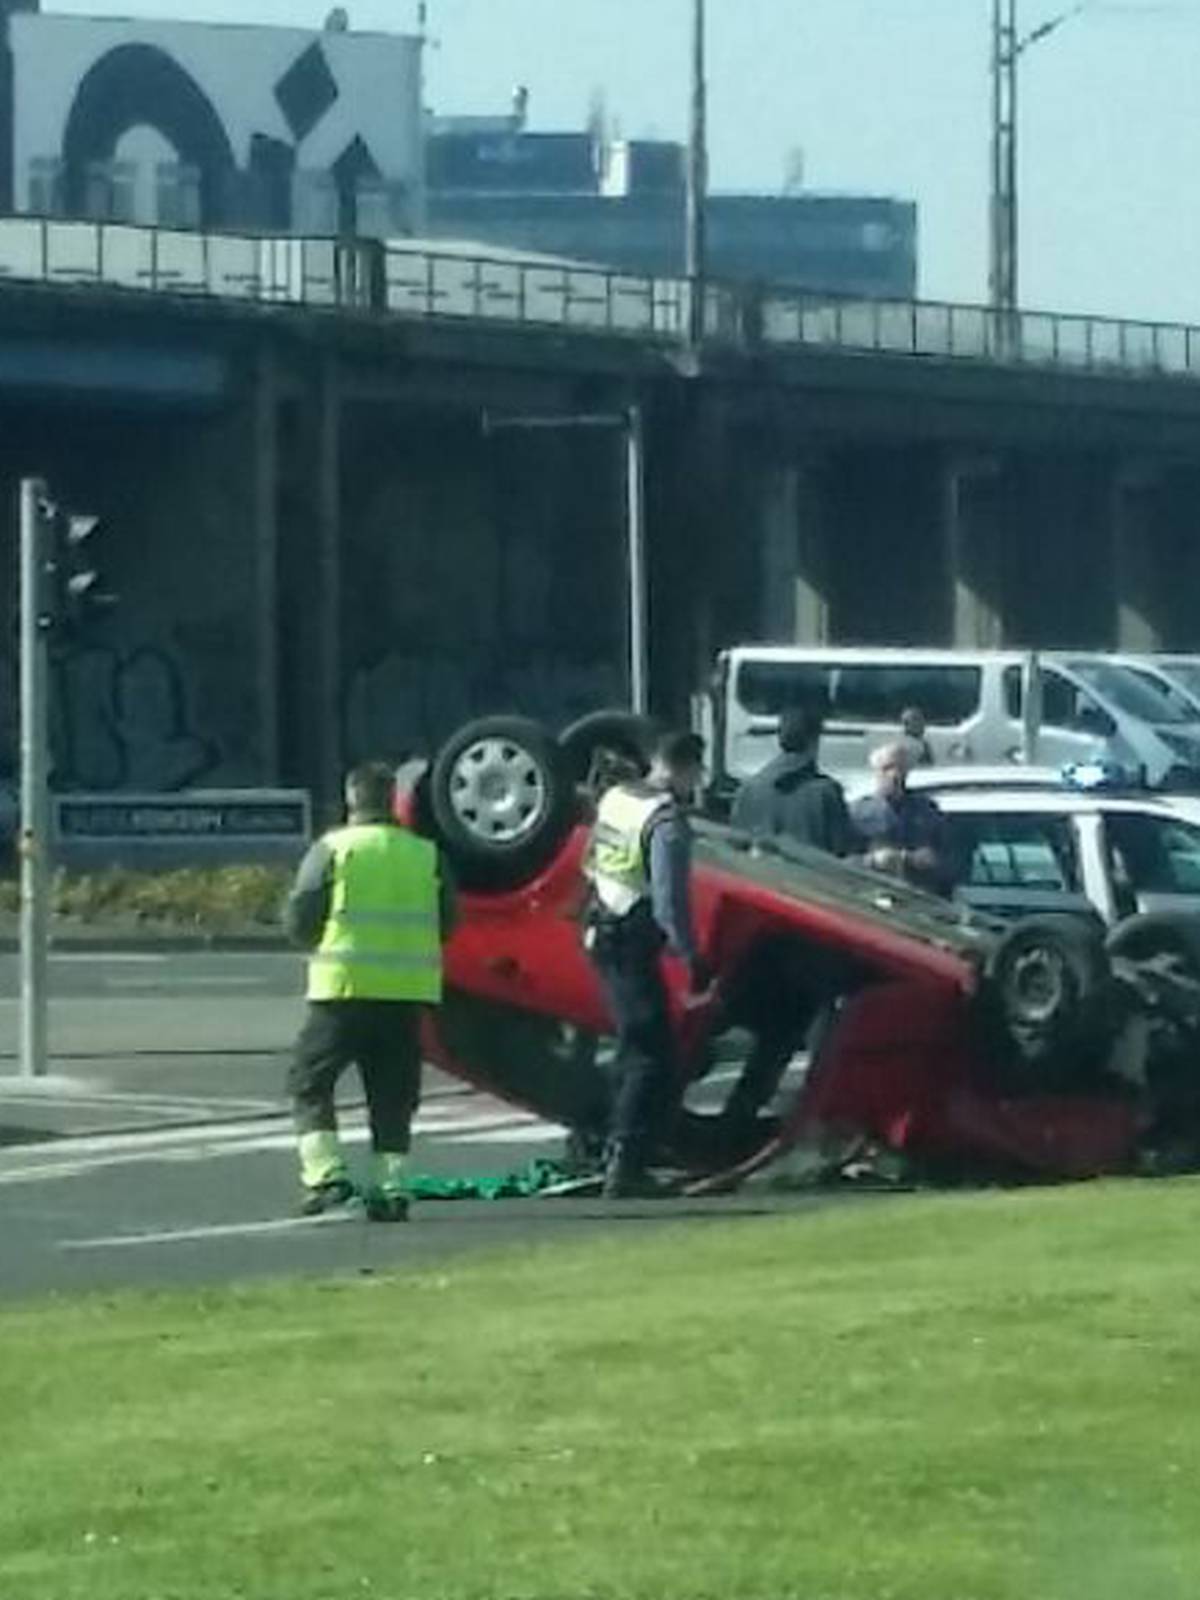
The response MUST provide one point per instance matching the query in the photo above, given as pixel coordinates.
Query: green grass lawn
(943, 1399)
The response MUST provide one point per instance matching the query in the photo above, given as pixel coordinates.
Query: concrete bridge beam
(795, 553)
(1141, 585)
(974, 542)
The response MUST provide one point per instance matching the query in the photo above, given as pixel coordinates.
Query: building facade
(196, 125)
(623, 204)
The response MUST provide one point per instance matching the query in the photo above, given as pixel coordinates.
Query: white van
(972, 702)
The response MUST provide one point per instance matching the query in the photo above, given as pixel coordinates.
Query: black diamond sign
(306, 91)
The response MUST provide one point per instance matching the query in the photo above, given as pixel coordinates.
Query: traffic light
(74, 592)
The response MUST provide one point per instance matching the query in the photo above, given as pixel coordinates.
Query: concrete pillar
(265, 514)
(796, 567)
(974, 552)
(327, 466)
(1140, 586)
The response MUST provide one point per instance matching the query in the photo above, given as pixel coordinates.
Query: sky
(881, 96)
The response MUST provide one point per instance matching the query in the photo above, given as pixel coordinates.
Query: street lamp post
(697, 182)
(1008, 46)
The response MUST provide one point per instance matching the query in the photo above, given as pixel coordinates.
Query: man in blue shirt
(903, 833)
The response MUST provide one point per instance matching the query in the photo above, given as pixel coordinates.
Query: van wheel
(501, 800)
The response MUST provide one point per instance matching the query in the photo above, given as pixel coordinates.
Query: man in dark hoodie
(781, 996)
(791, 797)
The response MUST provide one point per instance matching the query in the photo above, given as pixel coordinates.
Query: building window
(177, 195)
(110, 194)
(47, 197)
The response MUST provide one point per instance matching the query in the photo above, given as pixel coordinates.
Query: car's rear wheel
(623, 734)
(1045, 976)
(501, 800)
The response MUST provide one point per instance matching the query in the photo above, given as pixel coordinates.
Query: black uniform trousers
(381, 1038)
(626, 956)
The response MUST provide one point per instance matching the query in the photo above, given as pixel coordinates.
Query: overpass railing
(411, 281)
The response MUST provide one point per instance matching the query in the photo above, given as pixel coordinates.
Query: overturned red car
(965, 1045)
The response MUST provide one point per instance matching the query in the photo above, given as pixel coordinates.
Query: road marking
(474, 1120)
(228, 1230)
(167, 982)
(107, 958)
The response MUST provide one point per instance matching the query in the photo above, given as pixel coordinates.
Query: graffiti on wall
(122, 720)
(407, 704)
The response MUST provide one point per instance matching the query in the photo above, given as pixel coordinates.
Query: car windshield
(1186, 674)
(1129, 693)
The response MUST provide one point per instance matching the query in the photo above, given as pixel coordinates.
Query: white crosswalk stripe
(472, 1119)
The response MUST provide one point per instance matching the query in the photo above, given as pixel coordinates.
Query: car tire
(1158, 935)
(1045, 976)
(501, 801)
(625, 733)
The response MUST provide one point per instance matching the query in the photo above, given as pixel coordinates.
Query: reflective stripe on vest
(617, 864)
(382, 940)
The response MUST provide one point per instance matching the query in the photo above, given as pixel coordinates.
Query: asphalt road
(160, 1151)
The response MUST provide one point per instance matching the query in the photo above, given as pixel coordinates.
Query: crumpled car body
(911, 1059)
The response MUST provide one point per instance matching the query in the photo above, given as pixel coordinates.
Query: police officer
(639, 867)
(372, 905)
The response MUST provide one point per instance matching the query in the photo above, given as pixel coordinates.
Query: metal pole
(1003, 265)
(697, 182)
(35, 794)
(635, 483)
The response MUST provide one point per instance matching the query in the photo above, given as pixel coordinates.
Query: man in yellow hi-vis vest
(639, 867)
(372, 904)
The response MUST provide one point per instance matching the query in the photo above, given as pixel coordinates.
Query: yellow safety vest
(616, 863)
(382, 939)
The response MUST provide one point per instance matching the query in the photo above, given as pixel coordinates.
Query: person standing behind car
(903, 833)
(779, 992)
(914, 728)
(639, 867)
(373, 906)
(791, 797)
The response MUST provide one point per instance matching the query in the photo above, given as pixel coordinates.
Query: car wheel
(624, 734)
(1168, 939)
(501, 801)
(1044, 975)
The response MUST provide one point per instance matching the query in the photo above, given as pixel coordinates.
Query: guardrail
(392, 278)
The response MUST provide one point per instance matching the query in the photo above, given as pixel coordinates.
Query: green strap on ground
(528, 1180)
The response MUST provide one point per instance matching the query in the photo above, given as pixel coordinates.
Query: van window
(767, 688)
(1129, 692)
(1063, 704)
(949, 696)
(865, 692)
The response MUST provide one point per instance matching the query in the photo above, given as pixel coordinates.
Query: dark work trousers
(780, 996)
(626, 956)
(381, 1038)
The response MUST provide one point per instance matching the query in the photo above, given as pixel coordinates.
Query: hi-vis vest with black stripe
(617, 864)
(382, 939)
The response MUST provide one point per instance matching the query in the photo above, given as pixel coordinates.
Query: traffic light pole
(35, 771)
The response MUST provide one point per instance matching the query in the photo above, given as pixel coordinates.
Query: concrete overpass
(322, 555)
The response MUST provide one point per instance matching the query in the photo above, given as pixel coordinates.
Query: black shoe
(327, 1197)
(625, 1181)
(387, 1208)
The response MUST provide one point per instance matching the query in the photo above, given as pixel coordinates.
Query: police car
(1086, 839)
